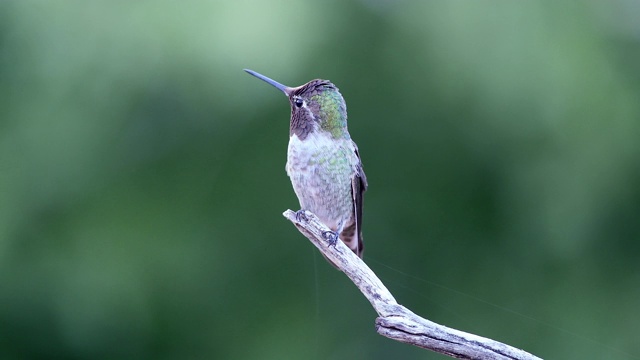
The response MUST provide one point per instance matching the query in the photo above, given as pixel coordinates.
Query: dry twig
(395, 321)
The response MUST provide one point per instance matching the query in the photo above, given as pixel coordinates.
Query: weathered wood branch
(395, 321)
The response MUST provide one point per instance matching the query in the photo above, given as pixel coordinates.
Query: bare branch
(395, 321)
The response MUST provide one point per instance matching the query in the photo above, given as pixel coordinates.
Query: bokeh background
(142, 176)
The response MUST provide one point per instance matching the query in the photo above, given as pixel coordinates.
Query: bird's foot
(331, 236)
(301, 215)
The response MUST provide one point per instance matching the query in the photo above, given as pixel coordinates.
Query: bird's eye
(298, 102)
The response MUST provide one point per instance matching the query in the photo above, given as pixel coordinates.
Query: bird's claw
(331, 236)
(301, 216)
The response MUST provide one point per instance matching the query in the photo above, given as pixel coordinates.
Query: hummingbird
(323, 162)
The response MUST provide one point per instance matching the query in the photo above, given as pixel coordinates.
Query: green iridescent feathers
(333, 112)
(328, 105)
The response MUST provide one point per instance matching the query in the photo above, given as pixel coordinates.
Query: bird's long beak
(285, 89)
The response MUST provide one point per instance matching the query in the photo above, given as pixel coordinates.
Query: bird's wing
(358, 187)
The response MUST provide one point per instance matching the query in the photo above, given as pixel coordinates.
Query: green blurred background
(142, 176)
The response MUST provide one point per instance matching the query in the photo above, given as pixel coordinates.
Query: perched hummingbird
(322, 161)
